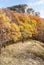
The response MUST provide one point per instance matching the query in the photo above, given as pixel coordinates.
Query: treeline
(23, 8)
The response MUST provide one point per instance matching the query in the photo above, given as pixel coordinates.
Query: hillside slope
(20, 29)
(30, 52)
(15, 27)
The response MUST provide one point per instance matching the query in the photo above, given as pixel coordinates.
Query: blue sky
(37, 5)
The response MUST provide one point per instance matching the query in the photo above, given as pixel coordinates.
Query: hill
(21, 28)
(17, 26)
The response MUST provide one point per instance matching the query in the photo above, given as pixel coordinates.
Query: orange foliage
(17, 26)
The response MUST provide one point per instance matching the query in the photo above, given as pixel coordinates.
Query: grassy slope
(30, 52)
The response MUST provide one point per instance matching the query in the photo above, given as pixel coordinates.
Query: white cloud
(42, 13)
(42, 0)
(39, 2)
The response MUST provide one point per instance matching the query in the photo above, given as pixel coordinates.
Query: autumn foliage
(15, 26)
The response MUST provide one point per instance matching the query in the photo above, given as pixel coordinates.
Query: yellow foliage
(19, 26)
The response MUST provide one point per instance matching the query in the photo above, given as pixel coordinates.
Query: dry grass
(28, 53)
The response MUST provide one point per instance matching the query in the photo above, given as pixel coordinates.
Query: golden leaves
(25, 28)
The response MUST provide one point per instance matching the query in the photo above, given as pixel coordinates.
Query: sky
(37, 5)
